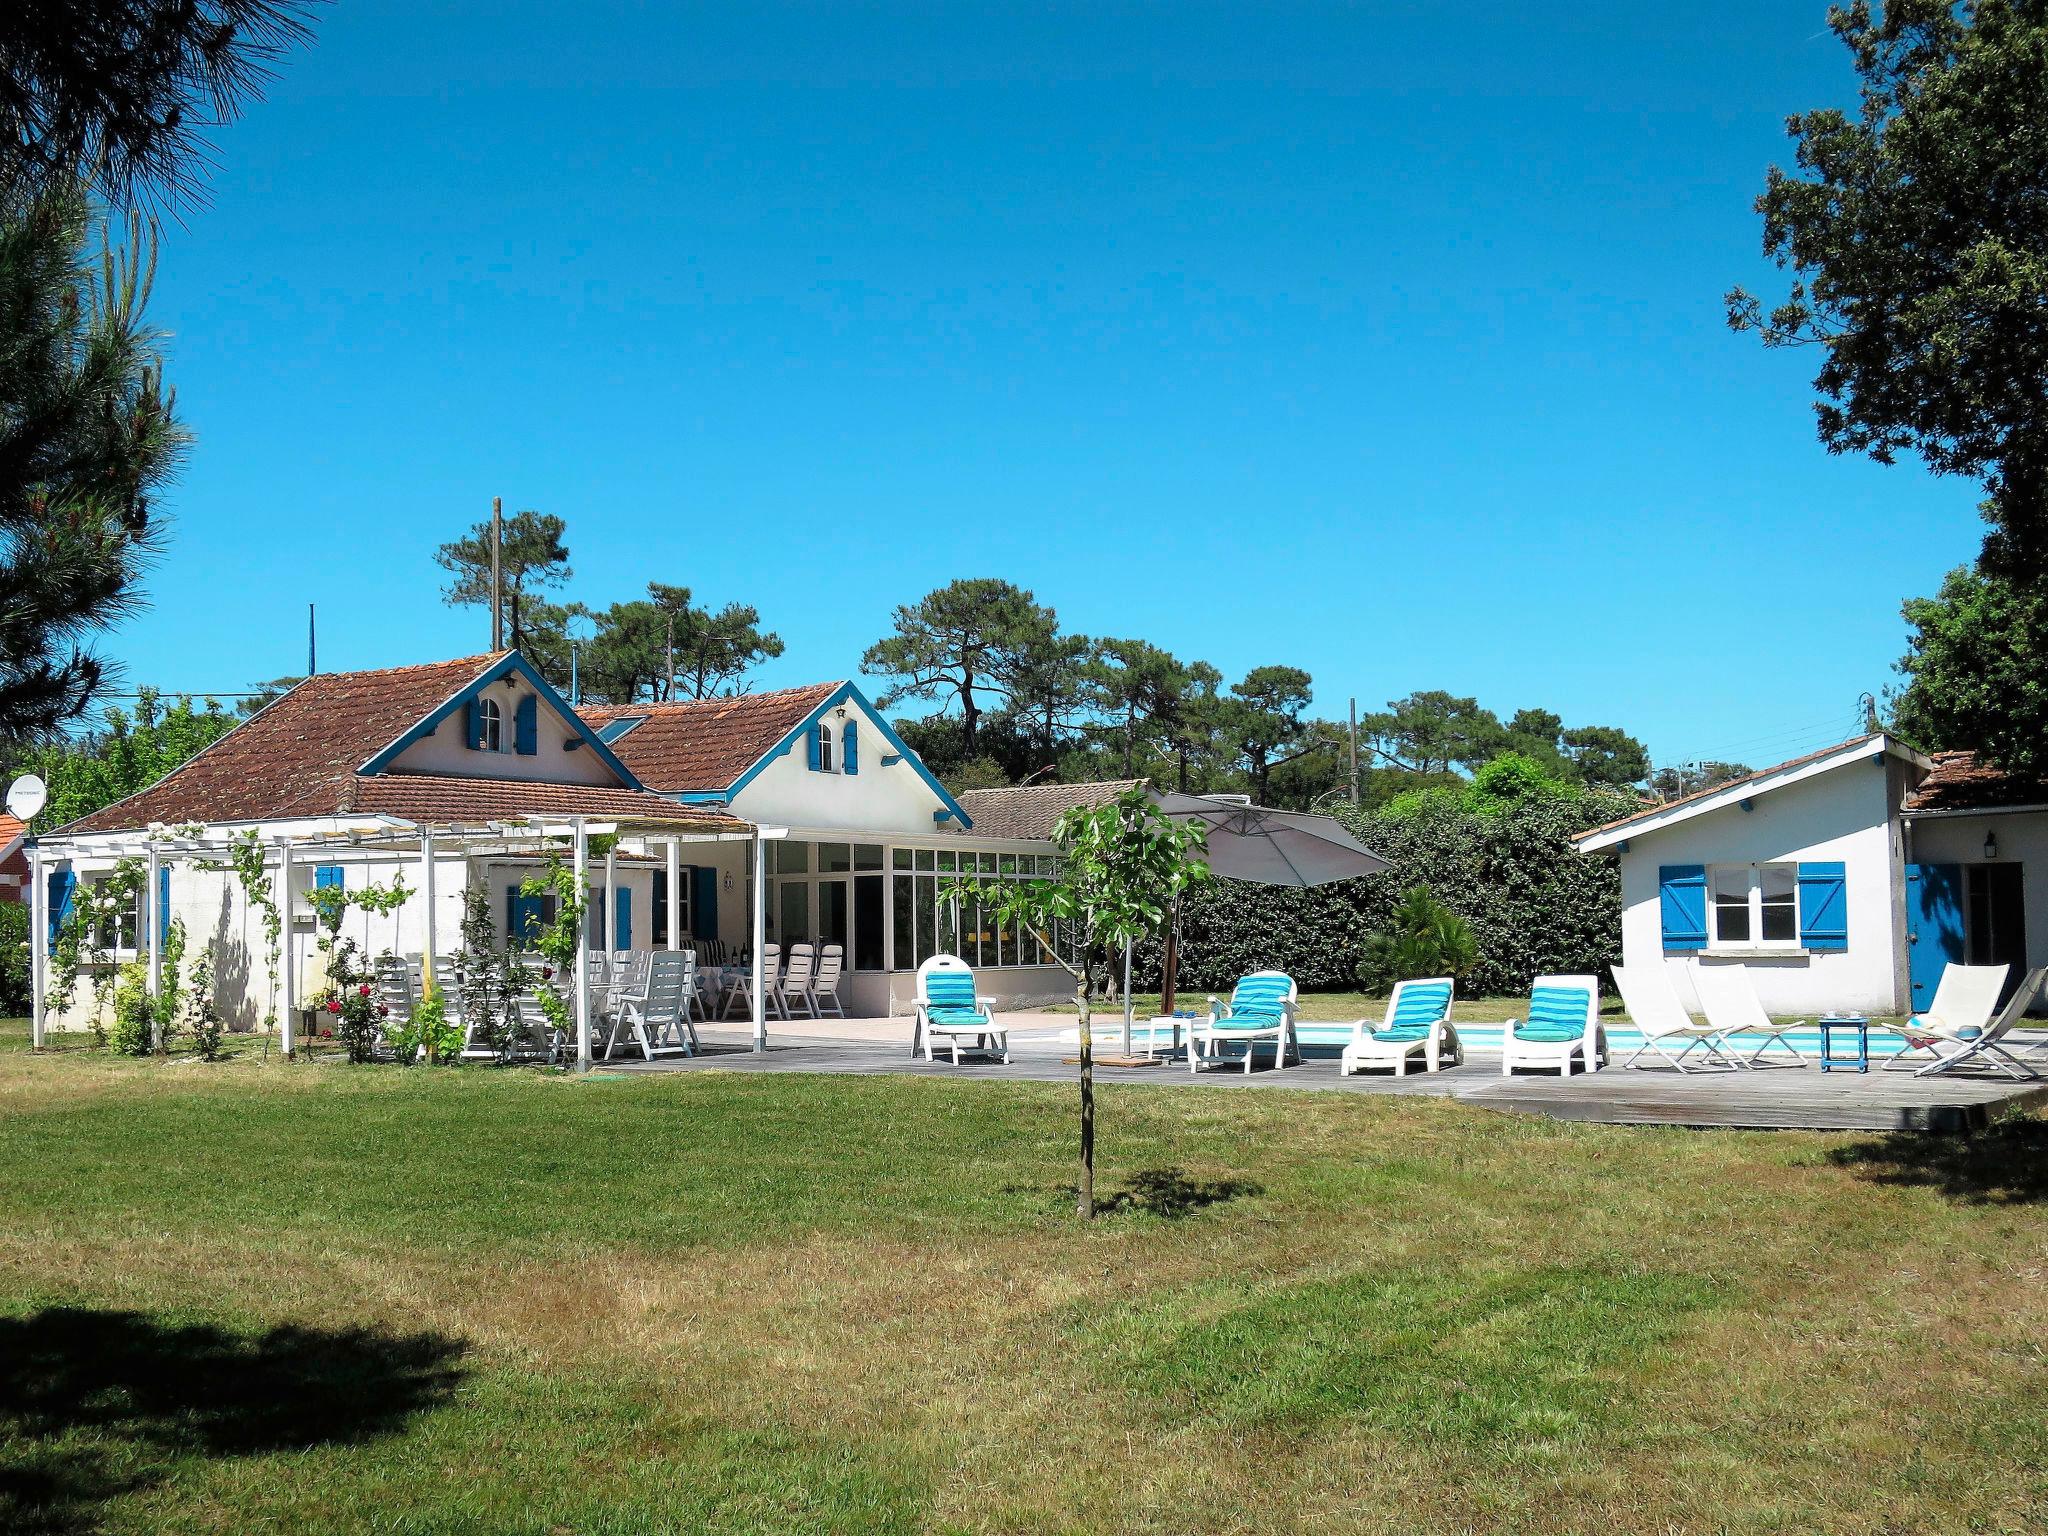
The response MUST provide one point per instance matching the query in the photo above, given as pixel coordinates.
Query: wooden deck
(1777, 1098)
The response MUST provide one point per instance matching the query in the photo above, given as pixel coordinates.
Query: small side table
(1828, 1060)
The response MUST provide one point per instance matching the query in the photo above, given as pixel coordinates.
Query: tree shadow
(2006, 1164)
(1171, 1193)
(98, 1405)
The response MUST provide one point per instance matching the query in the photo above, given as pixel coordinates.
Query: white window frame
(828, 759)
(491, 722)
(1754, 874)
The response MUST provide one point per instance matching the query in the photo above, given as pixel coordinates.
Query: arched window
(825, 748)
(490, 725)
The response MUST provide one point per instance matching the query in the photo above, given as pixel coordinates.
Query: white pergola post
(611, 900)
(675, 893)
(39, 946)
(288, 968)
(152, 911)
(760, 916)
(427, 983)
(1127, 997)
(581, 864)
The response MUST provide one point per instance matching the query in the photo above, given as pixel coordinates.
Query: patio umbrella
(1266, 847)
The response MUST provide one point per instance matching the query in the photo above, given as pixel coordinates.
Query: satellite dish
(26, 796)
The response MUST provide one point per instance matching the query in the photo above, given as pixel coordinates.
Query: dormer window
(825, 748)
(490, 726)
(832, 746)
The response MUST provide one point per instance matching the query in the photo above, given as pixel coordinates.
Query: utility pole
(312, 650)
(497, 593)
(669, 691)
(1354, 754)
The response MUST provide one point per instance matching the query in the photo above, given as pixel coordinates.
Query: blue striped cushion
(1421, 1005)
(957, 1016)
(950, 989)
(1556, 1014)
(1262, 995)
(1402, 1034)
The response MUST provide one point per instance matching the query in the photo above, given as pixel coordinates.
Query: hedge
(1535, 904)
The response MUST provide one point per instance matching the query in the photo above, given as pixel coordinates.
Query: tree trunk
(1086, 1204)
(969, 715)
(1169, 963)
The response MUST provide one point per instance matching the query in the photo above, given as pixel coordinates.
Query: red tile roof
(705, 744)
(1960, 781)
(299, 755)
(442, 799)
(1031, 810)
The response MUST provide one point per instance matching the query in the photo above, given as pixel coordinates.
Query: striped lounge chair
(1563, 1024)
(1261, 1008)
(948, 1011)
(1418, 1023)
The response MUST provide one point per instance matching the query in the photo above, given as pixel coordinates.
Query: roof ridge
(656, 706)
(1751, 777)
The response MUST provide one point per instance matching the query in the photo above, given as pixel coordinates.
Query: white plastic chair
(793, 991)
(1417, 1023)
(657, 1018)
(823, 992)
(742, 988)
(1261, 1007)
(948, 1009)
(1562, 1025)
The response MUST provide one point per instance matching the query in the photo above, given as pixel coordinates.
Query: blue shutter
(849, 748)
(474, 715)
(1682, 899)
(526, 727)
(704, 902)
(811, 744)
(326, 875)
(1824, 906)
(163, 904)
(622, 920)
(60, 883)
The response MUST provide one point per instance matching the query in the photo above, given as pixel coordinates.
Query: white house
(1843, 880)
(466, 775)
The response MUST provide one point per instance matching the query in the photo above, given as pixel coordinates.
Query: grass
(259, 1296)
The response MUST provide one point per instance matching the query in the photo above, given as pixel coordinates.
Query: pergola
(428, 841)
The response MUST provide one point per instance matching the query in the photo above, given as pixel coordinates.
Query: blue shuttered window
(622, 936)
(60, 884)
(1682, 903)
(849, 748)
(328, 874)
(1824, 906)
(526, 727)
(811, 746)
(163, 905)
(473, 723)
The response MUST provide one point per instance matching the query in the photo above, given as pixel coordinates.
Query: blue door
(1934, 926)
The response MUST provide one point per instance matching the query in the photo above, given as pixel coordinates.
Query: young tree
(1919, 255)
(88, 436)
(1123, 866)
(1605, 756)
(531, 559)
(968, 639)
(120, 91)
(1976, 671)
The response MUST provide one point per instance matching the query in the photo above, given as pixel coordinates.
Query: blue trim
(695, 796)
(497, 672)
(890, 759)
(845, 693)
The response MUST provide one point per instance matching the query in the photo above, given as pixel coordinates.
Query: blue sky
(1386, 340)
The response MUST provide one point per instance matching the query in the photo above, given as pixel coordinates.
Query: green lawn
(266, 1297)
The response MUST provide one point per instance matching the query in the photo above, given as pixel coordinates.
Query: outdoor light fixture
(1990, 845)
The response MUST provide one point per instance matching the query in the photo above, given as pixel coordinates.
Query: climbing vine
(558, 942)
(350, 995)
(245, 863)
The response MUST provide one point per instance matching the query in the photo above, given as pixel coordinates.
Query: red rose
(547, 973)
(364, 989)
(334, 1005)
(383, 1010)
